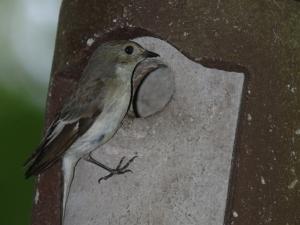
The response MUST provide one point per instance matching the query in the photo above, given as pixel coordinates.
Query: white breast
(104, 126)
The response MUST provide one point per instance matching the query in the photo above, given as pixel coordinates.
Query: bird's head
(124, 52)
(122, 56)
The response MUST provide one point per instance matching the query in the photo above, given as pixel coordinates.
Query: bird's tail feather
(69, 163)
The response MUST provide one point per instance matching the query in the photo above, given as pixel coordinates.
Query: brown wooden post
(259, 38)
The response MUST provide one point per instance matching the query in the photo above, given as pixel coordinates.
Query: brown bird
(92, 114)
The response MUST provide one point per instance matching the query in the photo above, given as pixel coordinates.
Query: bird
(92, 114)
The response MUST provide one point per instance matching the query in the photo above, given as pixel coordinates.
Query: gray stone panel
(184, 153)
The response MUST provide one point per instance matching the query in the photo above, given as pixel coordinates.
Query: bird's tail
(68, 166)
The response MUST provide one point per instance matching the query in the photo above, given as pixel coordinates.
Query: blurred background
(27, 36)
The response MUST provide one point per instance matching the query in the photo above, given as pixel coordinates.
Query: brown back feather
(49, 154)
(78, 113)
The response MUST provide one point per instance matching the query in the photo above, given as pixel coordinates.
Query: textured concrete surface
(184, 154)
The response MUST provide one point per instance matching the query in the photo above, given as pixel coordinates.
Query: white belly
(104, 127)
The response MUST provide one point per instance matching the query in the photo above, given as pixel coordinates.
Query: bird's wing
(74, 120)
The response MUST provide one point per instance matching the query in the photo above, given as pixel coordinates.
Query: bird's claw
(119, 169)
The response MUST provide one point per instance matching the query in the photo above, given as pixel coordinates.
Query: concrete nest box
(184, 151)
(190, 123)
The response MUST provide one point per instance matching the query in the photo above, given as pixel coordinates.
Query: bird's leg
(120, 169)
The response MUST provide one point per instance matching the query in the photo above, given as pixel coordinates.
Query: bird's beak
(149, 54)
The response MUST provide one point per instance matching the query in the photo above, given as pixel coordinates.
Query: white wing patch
(59, 126)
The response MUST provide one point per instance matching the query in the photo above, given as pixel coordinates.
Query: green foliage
(21, 125)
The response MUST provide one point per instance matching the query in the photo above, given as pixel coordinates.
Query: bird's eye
(129, 50)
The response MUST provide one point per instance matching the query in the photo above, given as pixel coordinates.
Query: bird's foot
(119, 169)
